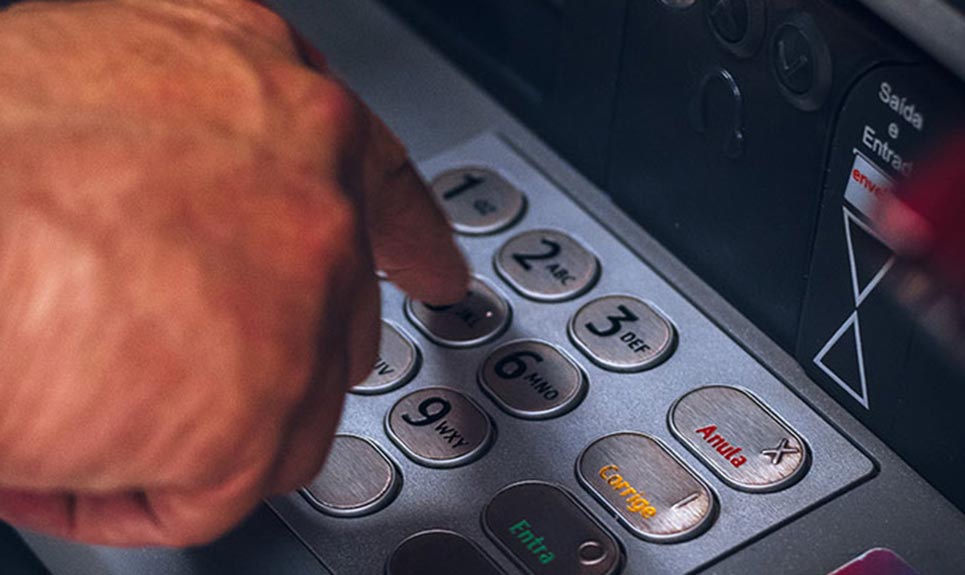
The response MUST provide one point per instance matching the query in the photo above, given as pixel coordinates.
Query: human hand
(189, 221)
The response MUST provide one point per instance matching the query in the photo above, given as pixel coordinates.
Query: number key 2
(478, 201)
(547, 265)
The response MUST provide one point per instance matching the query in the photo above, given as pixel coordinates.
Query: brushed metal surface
(439, 552)
(547, 265)
(532, 379)
(739, 438)
(478, 201)
(648, 488)
(544, 530)
(622, 333)
(439, 427)
(483, 315)
(396, 364)
(357, 479)
(615, 401)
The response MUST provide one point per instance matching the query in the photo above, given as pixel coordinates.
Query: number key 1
(478, 201)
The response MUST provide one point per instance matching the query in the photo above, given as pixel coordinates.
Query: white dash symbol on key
(686, 500)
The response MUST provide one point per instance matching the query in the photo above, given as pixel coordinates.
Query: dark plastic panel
(553, 63)
(855, 340)
(719, 152)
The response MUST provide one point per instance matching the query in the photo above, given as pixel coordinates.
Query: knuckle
(255, 18)
(318, 228)
(337, 225)
(332, 111)
(271, 25)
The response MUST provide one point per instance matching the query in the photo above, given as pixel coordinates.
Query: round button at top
(738, 25)
(395, 366)
(439, 427)
(478, 201)
(729, 18)
(357, 479)
(793, 59)
(547, 265)
(483, 315)
(801, 62)
(532, 379)
(622, 333)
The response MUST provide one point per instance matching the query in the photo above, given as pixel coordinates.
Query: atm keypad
(562, 356)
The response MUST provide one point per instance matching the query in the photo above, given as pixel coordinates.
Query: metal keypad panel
(547, 265)
(648, 489)
(512, 389)
(544, 530)
(439, 552)
(358, 479)
(480, 317)
(439, 427)
(397, 362)
(739, 438)
(622, 333)
(478, 201)
(532, 379)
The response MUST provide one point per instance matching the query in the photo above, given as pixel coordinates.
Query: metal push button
(396, 365)
(439, 553)
(546, 531)
(739, 438)
(439, 427)
(532, 379)
(646, 487)
(478, 201)
(480, 317)
(357, 479)
(547, 265)
(622, 333)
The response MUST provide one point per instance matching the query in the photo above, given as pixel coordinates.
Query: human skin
(190, 218)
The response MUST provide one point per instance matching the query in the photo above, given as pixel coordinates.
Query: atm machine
(688, 348)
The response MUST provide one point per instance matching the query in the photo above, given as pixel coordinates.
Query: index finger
(411, 238)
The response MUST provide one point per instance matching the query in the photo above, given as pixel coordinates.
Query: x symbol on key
(777, 454)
